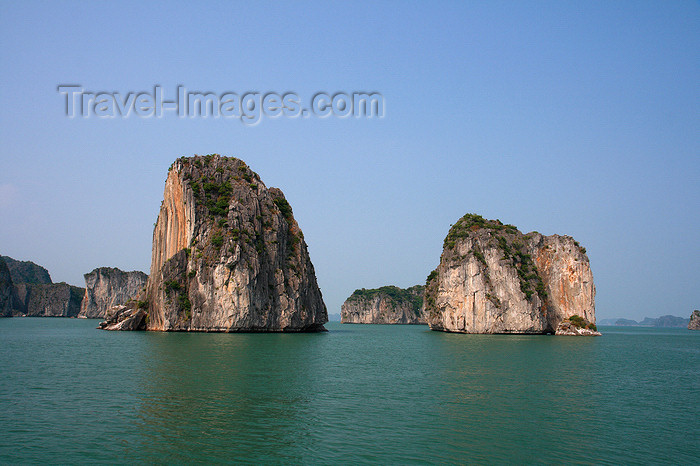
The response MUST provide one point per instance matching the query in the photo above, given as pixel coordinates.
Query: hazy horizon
(578, 119)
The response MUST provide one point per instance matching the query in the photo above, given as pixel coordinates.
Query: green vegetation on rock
(413, 295)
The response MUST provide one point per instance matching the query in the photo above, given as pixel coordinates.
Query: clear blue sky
(579, 118)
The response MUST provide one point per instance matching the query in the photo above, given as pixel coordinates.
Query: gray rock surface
(48, 300)
(228, 255)
(106, 287)
(694, 323)
(35, 296)
(125, 317)
(494, 279)
(27, 272)
(385, 305)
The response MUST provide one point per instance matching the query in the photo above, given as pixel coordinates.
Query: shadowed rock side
(694, 323)
(228, 255)
(385, 305)
(48, 300)
(494, 279)
(7, 291)
(33, 294)
(106, 287)
(27, 272)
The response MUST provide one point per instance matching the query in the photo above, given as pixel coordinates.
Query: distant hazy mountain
(626, 322)
(663, 321)
(334, 317)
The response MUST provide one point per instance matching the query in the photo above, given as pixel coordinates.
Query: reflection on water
(210, 395)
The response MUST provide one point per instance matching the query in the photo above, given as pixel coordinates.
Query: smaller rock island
(385, 305)
(694, 323)
(492, 278)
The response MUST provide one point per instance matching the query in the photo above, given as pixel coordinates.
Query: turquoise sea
(357, 394)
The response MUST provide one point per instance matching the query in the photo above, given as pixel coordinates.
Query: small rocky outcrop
(576, 326)
(228, 255)
(494, 279)
(7, 291)
(385, 305)
(129, 316)
(106, 287)
(27, 272)
(694, 323)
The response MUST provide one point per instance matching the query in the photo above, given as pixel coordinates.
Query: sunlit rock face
(385, 305)
(106, 287)
(228, 255)
(494, 279)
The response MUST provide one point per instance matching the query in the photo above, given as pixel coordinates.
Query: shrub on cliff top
(473, 222)
(284, 207)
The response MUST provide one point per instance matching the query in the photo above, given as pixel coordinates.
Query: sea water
(357, 394)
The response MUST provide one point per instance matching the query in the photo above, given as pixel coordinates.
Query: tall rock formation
(228, 255)
(385, 305)
(106, 287)
(7, 291)
(494, 279)
(694, 323)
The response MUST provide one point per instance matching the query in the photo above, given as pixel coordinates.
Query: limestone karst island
(494, 279)
(228, 256)
(491, 279)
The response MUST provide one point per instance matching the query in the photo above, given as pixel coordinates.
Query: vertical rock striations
(106, 287)
(694, 323)
(385, 305)
(228, 255)
(494, 279)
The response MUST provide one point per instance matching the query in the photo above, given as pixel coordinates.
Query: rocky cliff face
(107, 287)
(385, 305)
(228, 254)
(27, 272)
(48, 300)
(33, 294)
(694, 323)
(7, 291)
(494, 279)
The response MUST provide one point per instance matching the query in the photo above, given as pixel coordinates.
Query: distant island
(667, 321)
(26, 290)
(385, 305)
